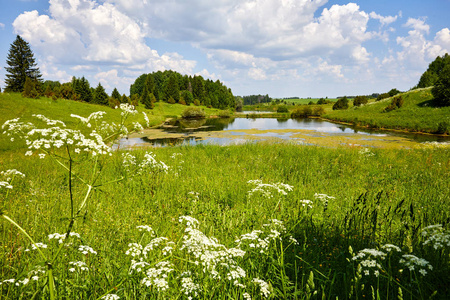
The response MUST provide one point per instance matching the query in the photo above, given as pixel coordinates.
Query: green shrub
(224, 114)
(360, 100)
(342, 103)
(443, 127)
(193, 113)
(397, 102)
(282, 109)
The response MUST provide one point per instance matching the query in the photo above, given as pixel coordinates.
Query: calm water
(186, 131)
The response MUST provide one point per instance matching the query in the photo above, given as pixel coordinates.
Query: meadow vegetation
(275, 221)
(411, 111)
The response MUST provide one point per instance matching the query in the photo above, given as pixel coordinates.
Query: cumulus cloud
(2, 26)
(383, 20)
(84, 32)
(417, 49)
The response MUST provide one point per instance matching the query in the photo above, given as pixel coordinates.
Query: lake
(299, 131)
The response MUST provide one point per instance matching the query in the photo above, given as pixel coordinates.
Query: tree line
(172, 87)
(169, 86)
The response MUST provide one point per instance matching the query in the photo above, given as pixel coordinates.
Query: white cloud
(383, 20)
(206, 74)
(111, 79)
(257, 74)
(2, 26)
(418, 25)
(83, 32)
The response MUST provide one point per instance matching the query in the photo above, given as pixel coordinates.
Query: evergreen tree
(342, 103)
(21, 64)
(173, 89)
(124, 99)
(29, 89)
(146, 99)
(115, 94)
(100, 96)
(83, 89)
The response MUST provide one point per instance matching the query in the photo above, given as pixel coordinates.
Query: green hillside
(417, 114)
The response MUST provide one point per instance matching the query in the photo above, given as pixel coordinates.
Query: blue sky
(304, 48)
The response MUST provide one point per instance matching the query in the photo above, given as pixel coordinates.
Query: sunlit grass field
(416, 114)
(255, 221)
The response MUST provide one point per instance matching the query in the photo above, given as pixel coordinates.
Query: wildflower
(412, 261)
(86, 250)
(38, 245)
(390, 247)
(306, 203)
(147, 121)
(145, 228)
(61, 237)
(247, 296)
(41, 155)
(28, 153)
(188, 287)
(190, 221)
(110, 297)
(265, 188)
(137, 266)
(436, 236)
(79, 264)
(134, 249)
(264, 287)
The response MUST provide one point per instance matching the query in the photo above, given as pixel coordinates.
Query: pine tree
(21, 64)
(115, 94)
(100, 96)
(173, 89)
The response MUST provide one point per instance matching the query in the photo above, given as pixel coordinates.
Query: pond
(299, 131)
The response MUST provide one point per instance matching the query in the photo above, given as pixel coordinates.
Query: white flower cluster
(149, 163)
(8, 175)
(411, 262)
(145, 228)
(138, 266)
(95, 116)
(158, 276)
(86, 250)
(266, 189)
(264, 287)
(62, 236)
(436, 236)
(15, 282)
(147, 121)
(306, 203)
(371, 259)
(189, 287)
(79, 265)
(260, 240)
(110, 297)
(127, 109)
(366, 152)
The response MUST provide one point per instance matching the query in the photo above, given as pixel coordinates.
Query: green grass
(13, 105)
(304, 101)
(381, 196)
(416, 114)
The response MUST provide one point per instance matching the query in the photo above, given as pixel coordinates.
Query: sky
(284, 48)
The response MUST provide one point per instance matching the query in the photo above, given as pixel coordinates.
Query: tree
(173, 90)
(83, 89)
(100, 96)
(441, 90)
(147, 99)
(21, 64)
(115, 94)
(342, 103)
(29, 89)
(360, 100)
(431, 76)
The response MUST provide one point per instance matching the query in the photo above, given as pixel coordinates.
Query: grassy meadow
(417, 114)
(254, 221)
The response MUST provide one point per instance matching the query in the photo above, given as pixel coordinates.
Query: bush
(282, 109)
(382, 96)
(318, 111)
(342, 103)
(443, 127)
(397, 102)
(360, 100)
(193, 113)
(171, 101)
(302, 112)
(224, 114)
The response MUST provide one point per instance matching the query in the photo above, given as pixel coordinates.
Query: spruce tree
(115, 94)
(100, 96)
(21, 64)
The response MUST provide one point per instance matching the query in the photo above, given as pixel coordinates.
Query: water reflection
(194, 132)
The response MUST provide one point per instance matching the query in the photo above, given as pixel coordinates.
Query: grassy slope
(416, 114)
(13, 105)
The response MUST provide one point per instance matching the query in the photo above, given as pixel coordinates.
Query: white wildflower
(264, 287)
(110, 297)
(86, 250)
(145, 228)
(78, 264)
(134, 249)
(265, 188)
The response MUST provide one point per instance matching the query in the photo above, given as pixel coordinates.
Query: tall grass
(208, 222)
